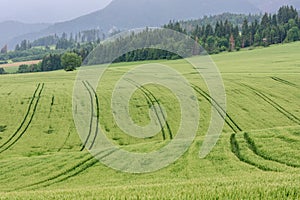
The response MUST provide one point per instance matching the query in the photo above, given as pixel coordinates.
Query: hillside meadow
(256, 157)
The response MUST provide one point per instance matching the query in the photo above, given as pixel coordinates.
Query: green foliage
(27, 55)
(157, 39)
(83, 50)
(29, 68)
(235, 19)
(293, 34)
(46, 41)
(70, 61)
(25, 45)
(286, 13)
(65, 44)
(51, 62)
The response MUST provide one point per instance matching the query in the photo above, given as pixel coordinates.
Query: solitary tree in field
(70, 61)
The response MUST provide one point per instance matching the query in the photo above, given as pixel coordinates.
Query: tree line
(64, 41)
(68, 61)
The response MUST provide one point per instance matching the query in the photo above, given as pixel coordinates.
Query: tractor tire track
(228, 119)
(284, 82)
(14, 140)
(98, 114)
(69, 173)
(91, 117)
(150, 104)
(24, 119)
(275, 105)
(151, 99)
(254, 149)
(161, 110)
(235, 149)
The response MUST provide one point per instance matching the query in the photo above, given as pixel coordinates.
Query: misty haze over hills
(127, 14)
(10, 29)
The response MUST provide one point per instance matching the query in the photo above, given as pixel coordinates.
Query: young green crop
(260, 161)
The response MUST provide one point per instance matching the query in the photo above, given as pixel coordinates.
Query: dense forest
(225, 35)
(235, 19)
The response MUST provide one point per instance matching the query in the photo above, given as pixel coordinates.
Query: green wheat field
(256, 157)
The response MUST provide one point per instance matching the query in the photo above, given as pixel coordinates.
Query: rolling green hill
(256, 157)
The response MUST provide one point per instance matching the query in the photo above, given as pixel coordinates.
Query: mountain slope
(125, 14)
(11, 29)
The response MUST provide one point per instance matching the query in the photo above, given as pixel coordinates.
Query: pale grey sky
(32, 11)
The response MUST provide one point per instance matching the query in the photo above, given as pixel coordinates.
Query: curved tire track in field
(69, 173)
(228, 119)
(97, 112)
(275, 105)
(256, 151)
(92, 93)
(284, 82)
(24, 119)
(91, 117)
(235, 149)
(151, 99)
(15, 137)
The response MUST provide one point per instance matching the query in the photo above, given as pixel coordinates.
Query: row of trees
(235, 19)
(23, 46)
(27, 55)
(156, 43)
(39, 53)
(64, 41)
(68, 61)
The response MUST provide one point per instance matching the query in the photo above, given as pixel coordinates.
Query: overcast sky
(32, 11)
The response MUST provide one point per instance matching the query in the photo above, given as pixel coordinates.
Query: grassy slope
(262, 91)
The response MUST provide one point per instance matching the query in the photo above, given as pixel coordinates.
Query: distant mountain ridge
(128, 14)
(12, 29)
(125, 14)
